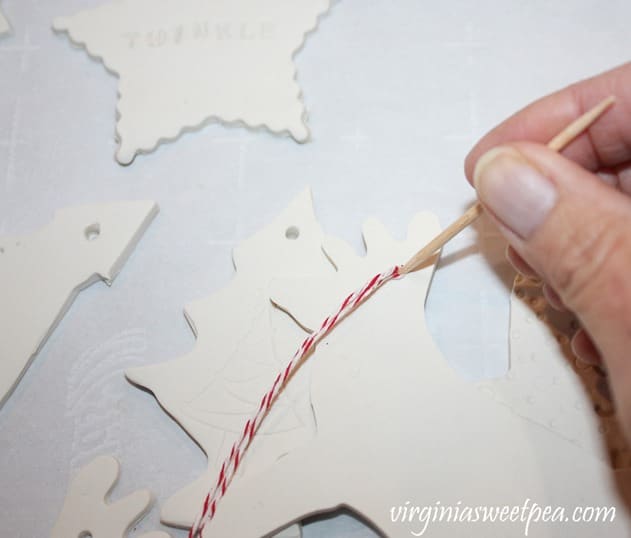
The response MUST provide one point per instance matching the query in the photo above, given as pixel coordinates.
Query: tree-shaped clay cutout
(212, 390)
(183, 63)
(41, 274)
(397, 427)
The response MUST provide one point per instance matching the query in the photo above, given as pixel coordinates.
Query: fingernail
(514, 190)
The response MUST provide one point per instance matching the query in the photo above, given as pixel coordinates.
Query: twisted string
(231, 463)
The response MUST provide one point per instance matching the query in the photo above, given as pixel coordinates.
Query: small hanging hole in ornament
(92, 233)
(292, 233)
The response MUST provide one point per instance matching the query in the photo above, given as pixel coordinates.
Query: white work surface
(397, 92)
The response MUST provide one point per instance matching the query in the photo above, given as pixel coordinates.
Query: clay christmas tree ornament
(213, 389)
(41, 274)
(183, 63)
(86, 512)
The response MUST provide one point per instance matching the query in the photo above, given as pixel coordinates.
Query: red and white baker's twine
(231, 464)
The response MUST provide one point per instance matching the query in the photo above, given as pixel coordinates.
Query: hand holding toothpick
(556, 144)
(568, 217)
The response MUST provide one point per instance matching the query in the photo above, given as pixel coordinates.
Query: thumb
(575, 231)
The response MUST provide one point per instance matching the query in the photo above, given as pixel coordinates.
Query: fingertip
(553, 298)
(584, 348)
(469, 163)
(519, 264)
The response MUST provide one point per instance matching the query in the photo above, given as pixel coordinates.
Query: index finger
(605, 144)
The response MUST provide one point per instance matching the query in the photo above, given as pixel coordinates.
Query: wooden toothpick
(559, 142)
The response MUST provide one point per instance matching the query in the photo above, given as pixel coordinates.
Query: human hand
(567, 216)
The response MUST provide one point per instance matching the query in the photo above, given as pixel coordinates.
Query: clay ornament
(397, 427)
(184, 63)
(547, 384)
(242, 341)
(41, 274)
(86, 512)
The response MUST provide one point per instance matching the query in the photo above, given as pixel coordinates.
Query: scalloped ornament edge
(126, 153)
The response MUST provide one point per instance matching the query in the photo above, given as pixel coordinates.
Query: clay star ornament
(183, 63)
(212, 390)
(396, 426)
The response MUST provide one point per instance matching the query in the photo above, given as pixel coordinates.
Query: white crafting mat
(397, 93)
